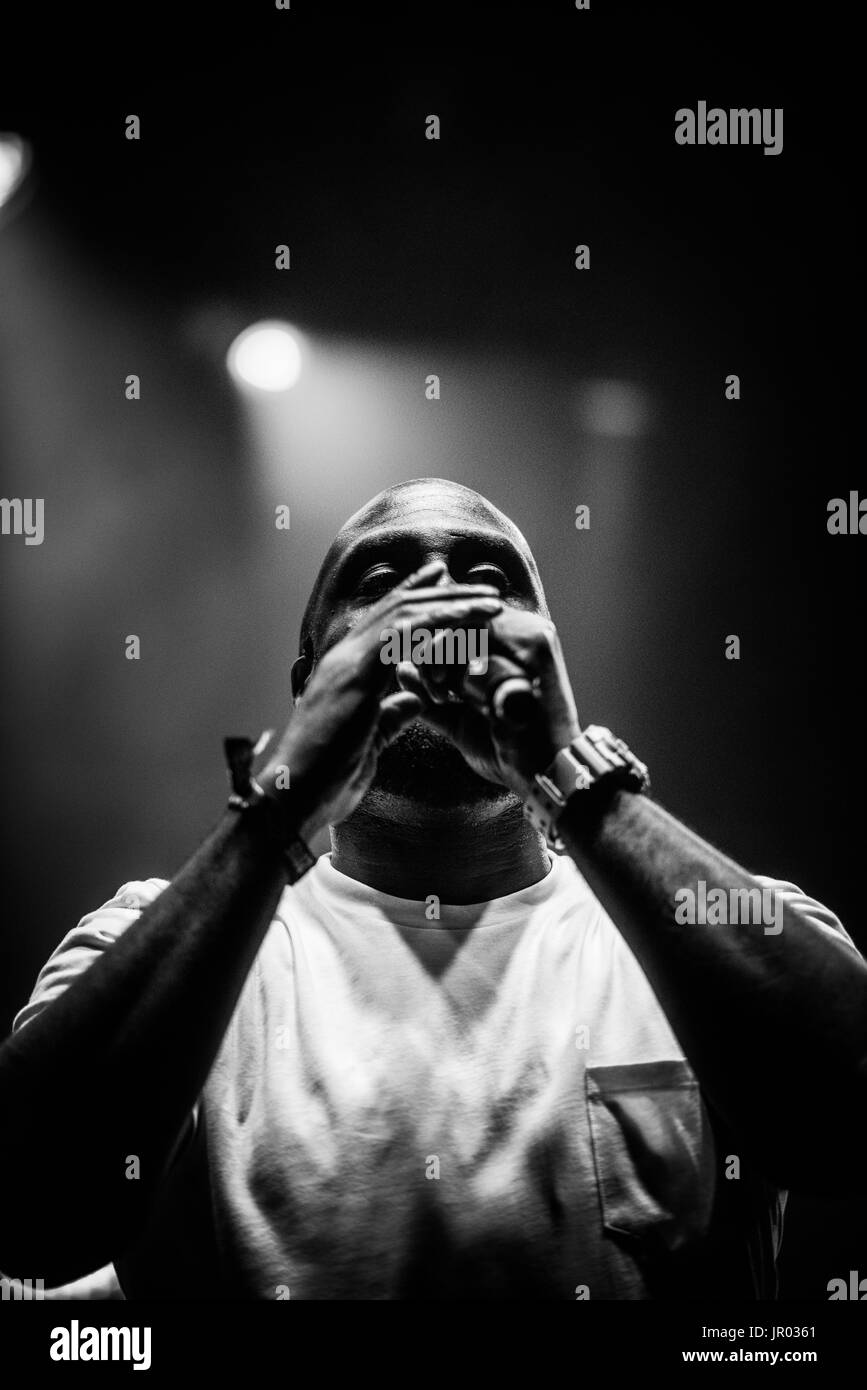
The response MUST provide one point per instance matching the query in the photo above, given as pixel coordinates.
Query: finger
(399, 634)
(428, 574)
(436, 574)
(418, 680)
(439, 593)
(388, 637)
(434, 607)
(409, 679)
(432, 675)
(483, 679)
(394, 712)
(454, 611)
(436, 642)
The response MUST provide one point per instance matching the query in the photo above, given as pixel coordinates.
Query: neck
(462, 857)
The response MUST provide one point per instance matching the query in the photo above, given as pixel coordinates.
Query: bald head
(430, 498)
(403, 528)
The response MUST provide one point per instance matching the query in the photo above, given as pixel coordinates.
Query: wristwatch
(594, 759)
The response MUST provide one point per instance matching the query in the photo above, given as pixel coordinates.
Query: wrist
(277, 820)
(581, 782)
(289, 791)
(537, 759)
(583, 816)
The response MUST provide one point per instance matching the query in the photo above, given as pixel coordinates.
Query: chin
(421, 765)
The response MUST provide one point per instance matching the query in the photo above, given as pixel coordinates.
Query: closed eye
(377, 580)
(488, 574)
(381, 577)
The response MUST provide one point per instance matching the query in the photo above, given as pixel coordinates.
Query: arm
(774, 1025)
(114, 1065)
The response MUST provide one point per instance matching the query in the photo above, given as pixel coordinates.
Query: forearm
(773, 1022)
(113, 1066)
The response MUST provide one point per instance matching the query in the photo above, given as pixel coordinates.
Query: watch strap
(595, 759)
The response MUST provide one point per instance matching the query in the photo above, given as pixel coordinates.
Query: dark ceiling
(307, 127)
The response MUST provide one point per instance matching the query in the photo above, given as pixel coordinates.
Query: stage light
(266, 356)
(14, 164)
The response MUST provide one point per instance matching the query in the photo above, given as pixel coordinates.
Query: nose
(445, 578)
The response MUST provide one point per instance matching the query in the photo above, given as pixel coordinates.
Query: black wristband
(247, 794)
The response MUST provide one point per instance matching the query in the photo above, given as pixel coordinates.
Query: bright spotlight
(14, 164)
(266, 356)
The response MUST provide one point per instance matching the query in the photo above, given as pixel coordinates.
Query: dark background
(409, 257)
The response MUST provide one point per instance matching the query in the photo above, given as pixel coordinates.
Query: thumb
(394, 712)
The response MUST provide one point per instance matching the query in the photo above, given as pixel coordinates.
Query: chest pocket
(653, 1153)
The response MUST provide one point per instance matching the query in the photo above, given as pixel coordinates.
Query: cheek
(335, 628)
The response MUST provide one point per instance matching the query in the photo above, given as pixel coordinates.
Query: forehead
(427, 508)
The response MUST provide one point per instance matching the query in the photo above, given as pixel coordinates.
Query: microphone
(510, 695)
(513, 701)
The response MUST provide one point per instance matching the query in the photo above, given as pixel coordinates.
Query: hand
(493, 748)
(345, 715)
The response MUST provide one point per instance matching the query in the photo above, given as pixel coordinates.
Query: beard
(422, 765)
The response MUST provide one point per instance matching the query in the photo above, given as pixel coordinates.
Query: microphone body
(513, 700)
(499, 682)
(509, 694)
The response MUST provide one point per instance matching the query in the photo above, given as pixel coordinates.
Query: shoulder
(820, 915)
(94, 933)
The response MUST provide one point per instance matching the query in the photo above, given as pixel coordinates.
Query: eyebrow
(406, 546)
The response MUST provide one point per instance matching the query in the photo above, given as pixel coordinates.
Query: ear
(299, 675)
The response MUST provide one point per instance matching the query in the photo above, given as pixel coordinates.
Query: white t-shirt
(491, 1104)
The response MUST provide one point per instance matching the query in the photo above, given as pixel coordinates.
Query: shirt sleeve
(96, 932)
(821, 916)
(80, 947)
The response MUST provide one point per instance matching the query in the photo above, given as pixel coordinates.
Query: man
(445, 1062)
